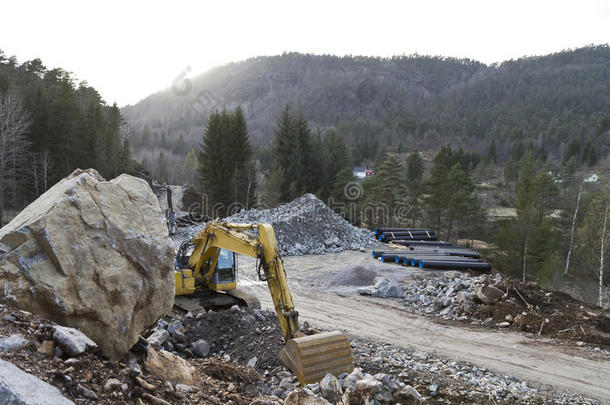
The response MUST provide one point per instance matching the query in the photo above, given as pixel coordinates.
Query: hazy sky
(129, 49)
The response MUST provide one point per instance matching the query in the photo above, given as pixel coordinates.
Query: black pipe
(423, 243)
(387, 258)
(415, 260)
(411, 234)
(379, 231)
(414, 238)
(448, 265)
(447, 251)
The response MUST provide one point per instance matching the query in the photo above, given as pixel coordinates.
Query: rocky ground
(231, 357)
(303, 226)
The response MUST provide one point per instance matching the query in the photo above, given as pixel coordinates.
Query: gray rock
(72, 341)
(350, 380)
(158, 337)
(302, 397)
(201, 348)
(278, 392)
(12, 342)
(286, 384)
(112, 384)
(330, 388)
(20, 388)
(179, 336)
(409, 392)
(258, 315)
(85, 392)
(390, 290)
(370, 383)
(488, 294)
(463, 296)
(366, 290)
(380, 282)
(175, 326)
(252, 362)
(446, 311)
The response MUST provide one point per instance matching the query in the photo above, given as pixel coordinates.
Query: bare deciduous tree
(14, 122)
(572, 231)
(601, 257)
(40, 171)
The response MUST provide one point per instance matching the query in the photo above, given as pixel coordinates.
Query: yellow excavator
(206, 270)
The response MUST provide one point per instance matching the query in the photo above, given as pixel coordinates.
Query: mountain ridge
(446, 99)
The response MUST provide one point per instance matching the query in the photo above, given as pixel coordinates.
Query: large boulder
(93, 255)
(488, 294)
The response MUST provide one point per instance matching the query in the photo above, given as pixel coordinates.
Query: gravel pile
(307, 226)
(354, 276)
(449, 381)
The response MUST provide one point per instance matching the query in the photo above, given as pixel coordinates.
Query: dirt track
(565, 368)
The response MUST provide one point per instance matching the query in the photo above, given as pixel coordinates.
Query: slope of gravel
(307, 226)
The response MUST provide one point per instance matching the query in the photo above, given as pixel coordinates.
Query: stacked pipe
(452, 258)
(404, 234)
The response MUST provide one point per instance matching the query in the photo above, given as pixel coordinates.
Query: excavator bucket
(311, 357)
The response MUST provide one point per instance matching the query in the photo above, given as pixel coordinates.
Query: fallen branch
(583, 331)
(565, 330)
(541, 326)
(527, 304)
(154, 400)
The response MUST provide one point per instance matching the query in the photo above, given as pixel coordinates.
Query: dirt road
(508, 353)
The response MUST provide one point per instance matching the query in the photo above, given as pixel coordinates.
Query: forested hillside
(49, 126)
(402, 102)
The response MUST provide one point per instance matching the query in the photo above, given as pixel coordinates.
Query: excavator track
(248, 300)
(207, 300)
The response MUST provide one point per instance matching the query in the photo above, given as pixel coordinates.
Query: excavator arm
(309, 355)
(217, 235)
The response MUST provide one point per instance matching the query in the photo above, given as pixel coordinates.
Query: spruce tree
(226, 169)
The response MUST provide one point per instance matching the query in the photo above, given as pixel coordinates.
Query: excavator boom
(309, 355)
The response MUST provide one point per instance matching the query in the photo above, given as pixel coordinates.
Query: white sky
(129, 49)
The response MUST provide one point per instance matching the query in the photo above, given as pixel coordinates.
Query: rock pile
(91, 254)
(498, 302)
(449, 296)
(307, 226)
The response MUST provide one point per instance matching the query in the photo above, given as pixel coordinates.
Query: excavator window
(226, 268)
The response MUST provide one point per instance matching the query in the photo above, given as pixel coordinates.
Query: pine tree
(294, 154)
(525, 242)
(439, 194)
(226, 169)
(415, 167)
(390, 187)
(492, 154)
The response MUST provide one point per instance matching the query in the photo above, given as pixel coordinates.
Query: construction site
(109, 299)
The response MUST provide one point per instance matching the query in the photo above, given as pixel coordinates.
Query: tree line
(63, 124)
